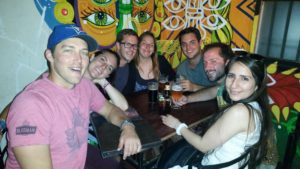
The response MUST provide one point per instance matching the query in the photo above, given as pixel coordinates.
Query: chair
(3, 141)
(3, 149)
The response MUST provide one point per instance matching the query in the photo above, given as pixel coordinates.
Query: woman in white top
(244, 124)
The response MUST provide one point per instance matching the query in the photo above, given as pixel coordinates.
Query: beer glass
(176, 93)
(152, 92)
(163, 79)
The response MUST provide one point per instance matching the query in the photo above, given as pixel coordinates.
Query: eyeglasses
(129, 45)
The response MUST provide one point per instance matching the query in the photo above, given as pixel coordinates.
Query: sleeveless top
(235, 146)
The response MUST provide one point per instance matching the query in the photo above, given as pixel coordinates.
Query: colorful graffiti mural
(228, 21)
(216, 19)
(284, 90)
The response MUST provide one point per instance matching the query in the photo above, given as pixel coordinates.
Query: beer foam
(176, 88)
(163, 81)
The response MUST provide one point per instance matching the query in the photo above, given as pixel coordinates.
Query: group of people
(48, 121)
(243, 123)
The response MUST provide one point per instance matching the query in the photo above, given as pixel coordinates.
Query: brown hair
(154, 56)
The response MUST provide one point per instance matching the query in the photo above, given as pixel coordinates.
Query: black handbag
(184, 154)
(181, 153)
(226, 164)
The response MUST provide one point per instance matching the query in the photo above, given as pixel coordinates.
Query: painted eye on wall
(141, 2)
(100, 19)
(142, 16)
(102, 1)
(174, 23)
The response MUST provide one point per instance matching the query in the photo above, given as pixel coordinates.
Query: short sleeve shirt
(196, 75)
(47, 114)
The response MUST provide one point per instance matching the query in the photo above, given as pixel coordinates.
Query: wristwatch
(126, 122)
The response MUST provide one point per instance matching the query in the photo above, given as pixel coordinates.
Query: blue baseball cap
(66, 31)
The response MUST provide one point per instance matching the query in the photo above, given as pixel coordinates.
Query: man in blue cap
(48, 121)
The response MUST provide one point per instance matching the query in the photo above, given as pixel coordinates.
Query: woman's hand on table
(170, 121)
(129, 141)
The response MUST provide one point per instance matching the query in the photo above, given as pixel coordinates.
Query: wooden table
(191, 114)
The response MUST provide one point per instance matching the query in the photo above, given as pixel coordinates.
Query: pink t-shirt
(47, 114)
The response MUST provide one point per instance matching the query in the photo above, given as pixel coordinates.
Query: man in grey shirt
(192, 69)
(215, 57)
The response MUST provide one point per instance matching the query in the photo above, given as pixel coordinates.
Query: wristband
(126, 122)
(104, 86)
(181, 125)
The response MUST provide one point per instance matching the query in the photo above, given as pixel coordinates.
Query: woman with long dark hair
(243, 126)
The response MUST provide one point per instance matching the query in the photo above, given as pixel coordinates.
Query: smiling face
(68, 62)
(214, 64)
(190, 45)
(127, 49)
(102, 66)
(240, 83)
(147, 46)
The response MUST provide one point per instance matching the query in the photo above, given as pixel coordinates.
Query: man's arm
(112, 113)
(33, 157)
(189, 86)
(201, 95)
(129, 141)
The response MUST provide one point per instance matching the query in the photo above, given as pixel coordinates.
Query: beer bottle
(167, 92)
(167, 95)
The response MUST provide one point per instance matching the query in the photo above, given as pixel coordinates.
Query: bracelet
(126, 122)
(181, 125)
(104, 86)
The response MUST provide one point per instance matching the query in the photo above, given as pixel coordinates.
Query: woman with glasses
(148, 65)
(243, 126)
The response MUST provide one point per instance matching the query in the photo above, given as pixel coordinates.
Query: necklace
(146, 73)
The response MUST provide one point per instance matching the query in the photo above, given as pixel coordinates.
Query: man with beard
(191, 70)
(215, 56)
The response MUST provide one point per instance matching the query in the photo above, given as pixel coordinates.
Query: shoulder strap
(229, 163)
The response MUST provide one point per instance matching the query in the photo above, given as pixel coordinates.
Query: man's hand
(181, 101)
(189, 86)
(129, 141)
